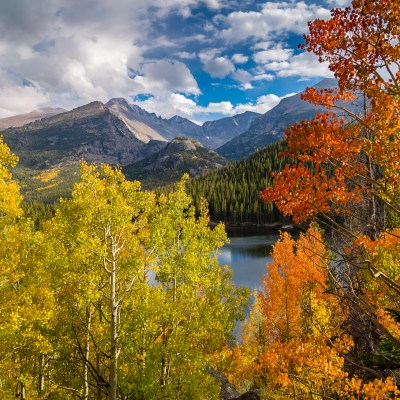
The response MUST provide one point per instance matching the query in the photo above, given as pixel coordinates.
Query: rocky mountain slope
(225, 129)
(23, 119)
(147, 126)
(181, 155)
(91, 132)
(269, 127)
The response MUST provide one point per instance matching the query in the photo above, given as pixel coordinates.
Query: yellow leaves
(375, 390)
(47, 175)
(39, 189)
(7, 160)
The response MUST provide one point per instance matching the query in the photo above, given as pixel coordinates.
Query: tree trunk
(114, 306)
(41, 374)
(87, 354)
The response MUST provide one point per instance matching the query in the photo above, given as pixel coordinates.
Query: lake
(247, 253)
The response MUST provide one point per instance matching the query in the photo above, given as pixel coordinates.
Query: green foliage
(37, 211)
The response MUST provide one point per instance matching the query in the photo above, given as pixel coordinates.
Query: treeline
(232, 192)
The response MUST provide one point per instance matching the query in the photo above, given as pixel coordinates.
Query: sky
(200, 59)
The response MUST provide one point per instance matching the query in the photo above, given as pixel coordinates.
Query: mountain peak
(326, 83)
(118, 100)
(178, 119)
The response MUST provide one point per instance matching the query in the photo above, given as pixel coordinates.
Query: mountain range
(23, 119)
(148, 147)
(269, 127)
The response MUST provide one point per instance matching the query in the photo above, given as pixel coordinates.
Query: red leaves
(357, 42)
(327, 152)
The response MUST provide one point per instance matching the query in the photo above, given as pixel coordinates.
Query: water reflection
(247, 254)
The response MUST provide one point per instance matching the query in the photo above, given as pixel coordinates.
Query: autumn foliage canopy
(326, 322)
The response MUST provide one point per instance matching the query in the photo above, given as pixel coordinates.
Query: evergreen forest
(233, 191)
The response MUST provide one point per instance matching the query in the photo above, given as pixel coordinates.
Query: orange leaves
(294, 340)
(298, 270)
(327, 97)
(357, 42)
(328, 159)
(350, 168)
(376, 390)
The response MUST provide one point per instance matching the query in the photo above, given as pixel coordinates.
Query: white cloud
(242, 76)
(264, 45)
(186, 55)
(178, 104)
(304, 65)
(208, 54)
(161, 77)
(263, 77)
(76, 51)
(16, 99)
(273, 20)
(239, 58)
(262, 104)
(274, 54)
(219, 67)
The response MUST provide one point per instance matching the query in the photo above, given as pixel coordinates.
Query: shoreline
(273, 225)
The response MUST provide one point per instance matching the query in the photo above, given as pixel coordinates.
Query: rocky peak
(118, 101)
(182, 144)
(177, 119)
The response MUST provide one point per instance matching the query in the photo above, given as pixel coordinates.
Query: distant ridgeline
(232, 192)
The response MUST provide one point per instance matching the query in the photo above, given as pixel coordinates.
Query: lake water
(247, 254)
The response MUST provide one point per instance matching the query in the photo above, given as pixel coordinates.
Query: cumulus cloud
(219, 67)
(274, 19)
(178, 104)
(160, 77)
(242, 76)
(263, 77)
(262, 104)
(273, 54)
(77, 51)
(59, 53)
(18, 99)
(304, 65)
(239, 58)
(186, 55)
(208, 54)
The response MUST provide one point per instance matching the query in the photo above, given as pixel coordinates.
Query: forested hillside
(233, 192)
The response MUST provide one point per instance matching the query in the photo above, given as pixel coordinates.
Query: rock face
(225, 129)
(23, 119)
(91, 133)
(228, 390)
(147, 126)
(269, 127)
(141, 124)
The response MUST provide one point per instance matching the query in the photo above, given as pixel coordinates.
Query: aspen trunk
(114, 353)
(87, 354)
(41, 374)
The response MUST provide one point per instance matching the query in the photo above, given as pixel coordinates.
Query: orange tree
(347, 172)
(293, 344)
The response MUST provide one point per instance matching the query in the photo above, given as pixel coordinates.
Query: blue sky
(199, 59)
